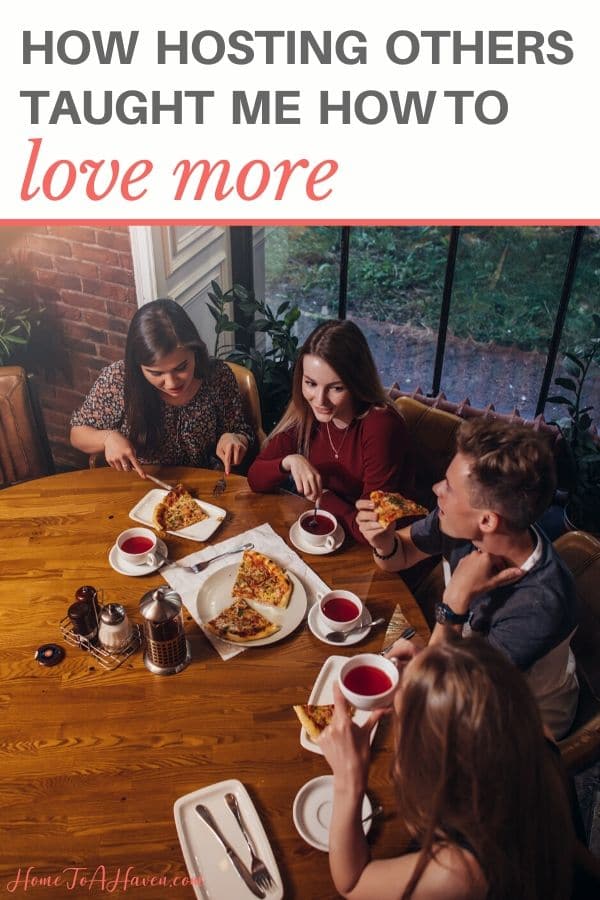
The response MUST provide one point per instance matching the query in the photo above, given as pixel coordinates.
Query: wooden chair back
(24, 448)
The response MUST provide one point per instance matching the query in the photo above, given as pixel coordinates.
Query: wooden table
(92, 761)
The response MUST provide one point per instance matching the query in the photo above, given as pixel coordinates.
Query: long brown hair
(156, 330)
(472, 769)
(343, 346)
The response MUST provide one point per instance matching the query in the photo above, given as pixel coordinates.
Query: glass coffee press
(166, 650)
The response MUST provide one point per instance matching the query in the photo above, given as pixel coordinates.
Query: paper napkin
(266, 541)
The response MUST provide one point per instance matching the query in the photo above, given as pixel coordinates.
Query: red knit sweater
(375, 455)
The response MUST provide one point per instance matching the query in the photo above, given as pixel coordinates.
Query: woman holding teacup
(166, 403)
(340, 437)
(476, 785)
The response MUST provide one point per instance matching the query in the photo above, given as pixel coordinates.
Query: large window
(478, 312)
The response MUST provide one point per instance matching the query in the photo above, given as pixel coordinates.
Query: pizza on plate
(391, 506)
(262, 580)
(240, 623)
(177, 510)
(314, 718)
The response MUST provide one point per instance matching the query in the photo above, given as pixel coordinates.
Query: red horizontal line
(282, 222)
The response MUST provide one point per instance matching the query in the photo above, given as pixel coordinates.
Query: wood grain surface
(92, 760)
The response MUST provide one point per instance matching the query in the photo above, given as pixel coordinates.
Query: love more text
(98, 179)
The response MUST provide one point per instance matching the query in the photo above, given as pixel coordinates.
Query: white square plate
(205, 858)
(201, 531)
(322, 692)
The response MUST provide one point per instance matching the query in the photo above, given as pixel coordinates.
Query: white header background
(540, 163)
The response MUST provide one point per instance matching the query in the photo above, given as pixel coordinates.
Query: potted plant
(273, 365)
(15, 329)
(581, 442)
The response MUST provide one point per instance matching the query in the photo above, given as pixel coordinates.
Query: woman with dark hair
(477, 788)
(340, 437)
(167, 402)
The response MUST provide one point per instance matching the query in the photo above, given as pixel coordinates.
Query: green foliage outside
(272, 364)
(507, 284)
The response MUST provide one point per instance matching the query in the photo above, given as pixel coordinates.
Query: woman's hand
(346, 746)
(306, 477)
(231, 449)
(120, 453)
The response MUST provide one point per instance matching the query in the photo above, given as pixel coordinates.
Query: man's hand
(378, 536)
(120, 453)
(306, 478)
(231, 449)
(477, 574)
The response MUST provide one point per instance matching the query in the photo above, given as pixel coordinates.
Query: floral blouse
(190, 432)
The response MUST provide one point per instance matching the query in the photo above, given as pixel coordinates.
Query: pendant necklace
(336, 450)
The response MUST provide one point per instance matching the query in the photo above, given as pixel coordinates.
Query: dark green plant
(16, 326)
(272, 365)
(582, 446)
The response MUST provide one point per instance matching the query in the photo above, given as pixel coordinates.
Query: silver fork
(260, 873)
(200, 566)
(219, 487)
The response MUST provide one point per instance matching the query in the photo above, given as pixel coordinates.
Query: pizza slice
(315, 718)
(240, 623)
(262, 580)
(177, 510)
(390, 506)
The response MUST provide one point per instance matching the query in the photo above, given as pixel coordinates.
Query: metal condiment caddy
(107, 658)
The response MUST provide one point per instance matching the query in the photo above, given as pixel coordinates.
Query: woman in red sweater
(340, 437)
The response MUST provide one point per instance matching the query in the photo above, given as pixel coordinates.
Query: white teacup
(323, 534)
(368, 681)
(137, 547)
(335, 610)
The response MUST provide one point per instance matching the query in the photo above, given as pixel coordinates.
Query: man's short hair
(512, 470)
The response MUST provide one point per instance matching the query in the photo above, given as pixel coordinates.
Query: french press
(166, 649)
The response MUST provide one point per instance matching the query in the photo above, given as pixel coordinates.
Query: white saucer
(295, 536)
(124, 568)
(319, 629)
(312, 811)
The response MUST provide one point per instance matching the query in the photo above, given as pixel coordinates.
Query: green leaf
(567, 383)
(560, 400)
(576, 360)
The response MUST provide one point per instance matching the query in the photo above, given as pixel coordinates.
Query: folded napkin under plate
(187, 584)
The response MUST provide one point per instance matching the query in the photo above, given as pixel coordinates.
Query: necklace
(336, 450)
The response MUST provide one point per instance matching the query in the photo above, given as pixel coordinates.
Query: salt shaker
(115, 629)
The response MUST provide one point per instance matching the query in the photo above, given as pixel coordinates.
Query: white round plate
(295, 536)
(215, 595)
(124, 568)
(312, 811)
(320, 630)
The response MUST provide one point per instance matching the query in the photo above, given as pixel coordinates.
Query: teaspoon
(338, 637)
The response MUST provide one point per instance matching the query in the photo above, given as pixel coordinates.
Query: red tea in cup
(340, 609)
(367, 680)
(317, 524)
(137, 545)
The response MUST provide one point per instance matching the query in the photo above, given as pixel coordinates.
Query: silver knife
(240, 868)
(163, 484)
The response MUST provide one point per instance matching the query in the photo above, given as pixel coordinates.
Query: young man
(503, 578)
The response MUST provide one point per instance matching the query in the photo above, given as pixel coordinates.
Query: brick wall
(83, 277)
